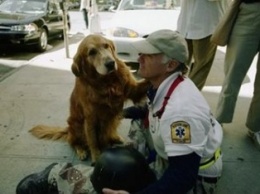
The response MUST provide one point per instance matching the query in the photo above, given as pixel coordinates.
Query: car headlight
(25, 28)
(122, 32)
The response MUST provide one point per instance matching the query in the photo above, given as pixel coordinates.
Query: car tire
(43, 41)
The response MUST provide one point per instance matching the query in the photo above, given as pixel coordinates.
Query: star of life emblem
(180, 132)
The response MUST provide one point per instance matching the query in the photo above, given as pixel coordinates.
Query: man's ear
(172, 65)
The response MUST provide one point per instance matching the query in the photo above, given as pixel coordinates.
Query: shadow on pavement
(241, 160)
(5, 71)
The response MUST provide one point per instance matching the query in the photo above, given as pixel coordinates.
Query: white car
(134, 19)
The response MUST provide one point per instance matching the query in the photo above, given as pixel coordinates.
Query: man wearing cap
(185, 135)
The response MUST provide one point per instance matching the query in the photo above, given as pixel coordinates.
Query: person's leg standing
(203, 53)
(190, 49)
(241, 49)
(85, 15)
(253, 117)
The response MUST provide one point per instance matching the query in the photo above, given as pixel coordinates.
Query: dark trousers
(85, 15)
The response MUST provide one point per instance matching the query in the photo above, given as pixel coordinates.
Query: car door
(54, 18)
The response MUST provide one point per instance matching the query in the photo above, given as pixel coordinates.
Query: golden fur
(103, 83)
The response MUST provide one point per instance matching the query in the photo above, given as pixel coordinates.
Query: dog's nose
(110, 65)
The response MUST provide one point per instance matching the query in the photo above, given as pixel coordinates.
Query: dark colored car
(73, 4)
(31, 23)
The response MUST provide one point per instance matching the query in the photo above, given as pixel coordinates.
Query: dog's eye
(106, 46)
(92, 52)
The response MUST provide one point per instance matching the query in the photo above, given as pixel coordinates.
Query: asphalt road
(13, 58)
(76, 34)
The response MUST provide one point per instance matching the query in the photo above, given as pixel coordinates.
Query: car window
(53, 7)
(6, 6)
(23, 6)
(145, 4)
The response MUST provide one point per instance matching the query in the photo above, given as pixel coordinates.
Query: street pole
(65, 25)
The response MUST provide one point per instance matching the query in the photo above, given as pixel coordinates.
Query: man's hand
(110, 191)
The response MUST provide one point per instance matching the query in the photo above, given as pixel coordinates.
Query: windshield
(145, 4)
(23, 6)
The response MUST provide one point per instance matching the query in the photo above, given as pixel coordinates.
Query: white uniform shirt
(85, 4)
(198, 18)
(186, 125)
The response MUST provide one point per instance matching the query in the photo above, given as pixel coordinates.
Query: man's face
(152, 66)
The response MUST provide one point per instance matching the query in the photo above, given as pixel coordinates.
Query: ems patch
(180, 132)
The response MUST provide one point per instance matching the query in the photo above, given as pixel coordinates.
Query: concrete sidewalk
(38, 93)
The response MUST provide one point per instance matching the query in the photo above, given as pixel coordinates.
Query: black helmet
(122, 168)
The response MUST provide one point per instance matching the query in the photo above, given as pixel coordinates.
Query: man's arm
(135, 112)
(178, 178)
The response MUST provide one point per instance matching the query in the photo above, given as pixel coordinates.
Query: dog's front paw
(82, 154)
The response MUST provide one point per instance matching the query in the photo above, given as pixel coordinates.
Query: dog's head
(95, 54)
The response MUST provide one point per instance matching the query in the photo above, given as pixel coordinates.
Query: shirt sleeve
(179, 177)
(184, 135)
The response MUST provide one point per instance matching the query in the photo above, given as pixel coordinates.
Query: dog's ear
(76, 67)
(112, 45)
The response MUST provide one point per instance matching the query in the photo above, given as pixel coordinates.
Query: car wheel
(43, 41)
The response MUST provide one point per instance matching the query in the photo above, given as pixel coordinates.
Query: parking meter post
(65, 25)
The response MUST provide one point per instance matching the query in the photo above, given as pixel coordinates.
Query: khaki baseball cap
(171, 43)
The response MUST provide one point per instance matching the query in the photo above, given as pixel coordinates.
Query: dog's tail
(46, 132)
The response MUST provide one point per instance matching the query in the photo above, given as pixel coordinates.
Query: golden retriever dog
(103, 83)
